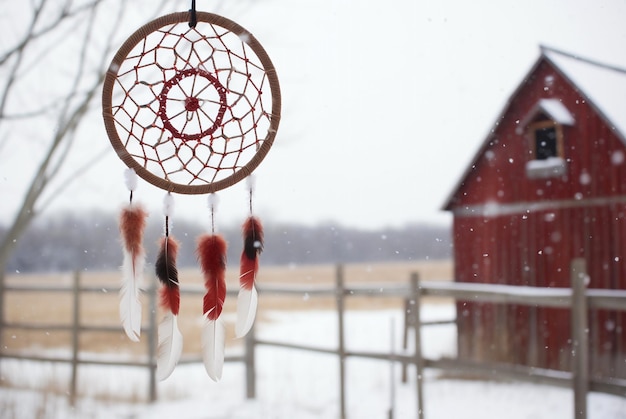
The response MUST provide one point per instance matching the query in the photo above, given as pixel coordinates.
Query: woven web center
(192, 104)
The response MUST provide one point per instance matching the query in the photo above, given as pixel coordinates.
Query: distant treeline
(91, 241)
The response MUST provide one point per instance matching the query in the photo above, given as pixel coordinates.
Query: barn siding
(535, 246)
(530, 335)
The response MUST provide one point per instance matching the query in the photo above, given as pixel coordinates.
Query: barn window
(545, 138)
(543, 126)
(545, 143)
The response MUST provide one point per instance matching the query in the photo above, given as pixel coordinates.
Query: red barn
(547, 185)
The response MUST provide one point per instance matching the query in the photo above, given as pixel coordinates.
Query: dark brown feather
(252, 246)
(167, 272)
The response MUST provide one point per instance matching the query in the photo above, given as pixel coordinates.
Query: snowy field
(294, 384)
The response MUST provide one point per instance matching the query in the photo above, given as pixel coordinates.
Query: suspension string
(213, 199)
(168, 209)
(193, 18)
(250, 201)
(166, 242)
(250, 182)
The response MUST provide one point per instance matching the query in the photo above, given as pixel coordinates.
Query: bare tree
(51, 73)
(53, 57)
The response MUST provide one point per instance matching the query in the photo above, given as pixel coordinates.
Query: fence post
(249, 359)
(417, 324)
(75, 335)
(152, 340)
(408, 324)
(339, 296)
(580, 337)
(2, 316)
(392, 370)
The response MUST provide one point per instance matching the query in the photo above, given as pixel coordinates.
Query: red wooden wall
(521, 243)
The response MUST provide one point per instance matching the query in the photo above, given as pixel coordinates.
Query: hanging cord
(213, 201)
(251, 184)
(250, 201)
(168, 209)
(193, 18)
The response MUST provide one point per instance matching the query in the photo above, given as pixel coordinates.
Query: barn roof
(602, 86)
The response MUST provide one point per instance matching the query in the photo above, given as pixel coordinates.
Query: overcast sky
(384, 104)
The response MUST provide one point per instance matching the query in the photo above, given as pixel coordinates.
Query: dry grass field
(101, 308)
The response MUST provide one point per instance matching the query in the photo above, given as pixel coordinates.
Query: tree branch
(31, 35)
(73, 107)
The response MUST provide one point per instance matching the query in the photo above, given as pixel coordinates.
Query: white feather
(247, 301)
(213, 342)
(168, 205)
(130, 306)
(213, 201)
(170, 346)
(251, 182)
(130, 178)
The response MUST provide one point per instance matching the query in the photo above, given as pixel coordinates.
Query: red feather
(253, 245)
(170, 299)
(167, 273)
(132, 225)
(212, 256)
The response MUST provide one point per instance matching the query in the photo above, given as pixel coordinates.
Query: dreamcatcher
(191, 104)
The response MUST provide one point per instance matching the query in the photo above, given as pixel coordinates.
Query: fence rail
(578, 299)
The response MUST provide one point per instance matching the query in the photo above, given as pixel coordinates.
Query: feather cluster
(212, 256)
(247, 298)
(170, 342)
(132, 226)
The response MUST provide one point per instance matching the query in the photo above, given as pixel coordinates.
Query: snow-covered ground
(295, 384)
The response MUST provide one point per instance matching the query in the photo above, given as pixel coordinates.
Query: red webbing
(192, 105)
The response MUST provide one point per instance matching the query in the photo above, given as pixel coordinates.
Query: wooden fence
(578, 299)
(76, 327)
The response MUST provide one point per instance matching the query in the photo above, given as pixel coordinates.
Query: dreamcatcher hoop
(192, 110)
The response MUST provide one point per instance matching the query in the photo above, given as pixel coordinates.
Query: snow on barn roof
(554, 108)
(603, 86)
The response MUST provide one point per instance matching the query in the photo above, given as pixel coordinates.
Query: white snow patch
(546, 168)
(554, 108)
(297, 384)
